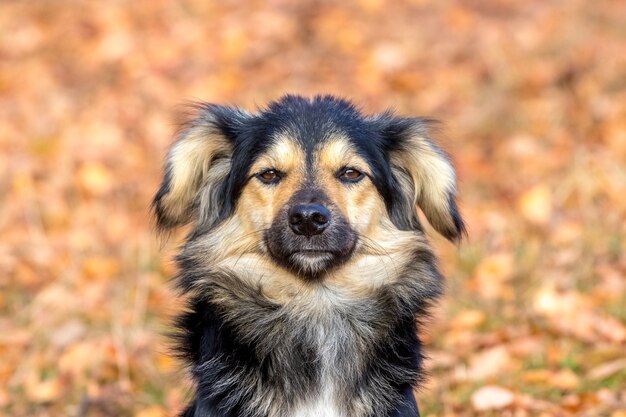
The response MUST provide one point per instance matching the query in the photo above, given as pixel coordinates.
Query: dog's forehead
(312, 121)
(301, 134)
(288, 152)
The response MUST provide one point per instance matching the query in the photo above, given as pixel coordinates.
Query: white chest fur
(324, 405)
(331, 336)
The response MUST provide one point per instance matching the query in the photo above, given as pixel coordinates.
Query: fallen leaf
(151, 412)
(492, 276)
(537, 376)
(43, 391)
(469, 319)
(607, 369)
(95, 178)
(98, 267)
(79, 358)
(4, 398)
(553, 303)
(488, 363)
(492, 398)
(67, 333)
(536, 204)
(564, 379)
(609, 327)
(571, 402)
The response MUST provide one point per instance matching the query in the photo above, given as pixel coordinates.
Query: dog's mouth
(312, 263)
(306, 256)
(313, 252)
(309, 263)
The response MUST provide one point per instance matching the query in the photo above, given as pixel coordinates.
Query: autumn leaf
(43, 390)
(151, 412)
(95, 178)
(492, 276)
(536, 204)
(492, 398)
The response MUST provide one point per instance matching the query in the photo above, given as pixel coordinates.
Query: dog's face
(310, 203)
(307, 189)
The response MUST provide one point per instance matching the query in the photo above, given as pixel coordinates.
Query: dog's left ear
(424, 174)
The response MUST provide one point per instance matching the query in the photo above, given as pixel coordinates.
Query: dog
(306, 267)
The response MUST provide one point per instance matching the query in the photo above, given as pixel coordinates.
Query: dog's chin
(310, 258)
(311, 265)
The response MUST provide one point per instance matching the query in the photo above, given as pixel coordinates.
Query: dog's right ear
(197, 166)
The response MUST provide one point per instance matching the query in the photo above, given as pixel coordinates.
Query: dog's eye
(271, 176)
(350, 175)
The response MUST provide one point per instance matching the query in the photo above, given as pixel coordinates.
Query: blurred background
(533, 97)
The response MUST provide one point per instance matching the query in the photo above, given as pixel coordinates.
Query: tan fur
(359, 202)
(260, 203)
(381, 256)
(337, 153)
(191, 158)
(425, 172)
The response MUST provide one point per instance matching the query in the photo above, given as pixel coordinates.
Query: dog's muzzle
(310, 236)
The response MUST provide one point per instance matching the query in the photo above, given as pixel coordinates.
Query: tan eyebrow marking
(285, 154)
(338, 153)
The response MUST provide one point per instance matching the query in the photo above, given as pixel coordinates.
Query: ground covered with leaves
(533, 96)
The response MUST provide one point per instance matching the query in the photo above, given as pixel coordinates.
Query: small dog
(307, 268)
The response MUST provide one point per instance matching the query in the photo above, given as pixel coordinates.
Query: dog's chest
(317, 351)
(335, 343)
(323, 405)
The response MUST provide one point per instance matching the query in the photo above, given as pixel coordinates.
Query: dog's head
(306, 186)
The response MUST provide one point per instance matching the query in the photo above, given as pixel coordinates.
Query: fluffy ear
(196, 168)
(425, 176)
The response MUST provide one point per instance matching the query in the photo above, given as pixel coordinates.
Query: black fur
(251, 357)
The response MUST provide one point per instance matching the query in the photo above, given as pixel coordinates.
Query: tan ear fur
(426, 173)
(200, 158)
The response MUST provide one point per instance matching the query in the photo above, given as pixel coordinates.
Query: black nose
(308, 219)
